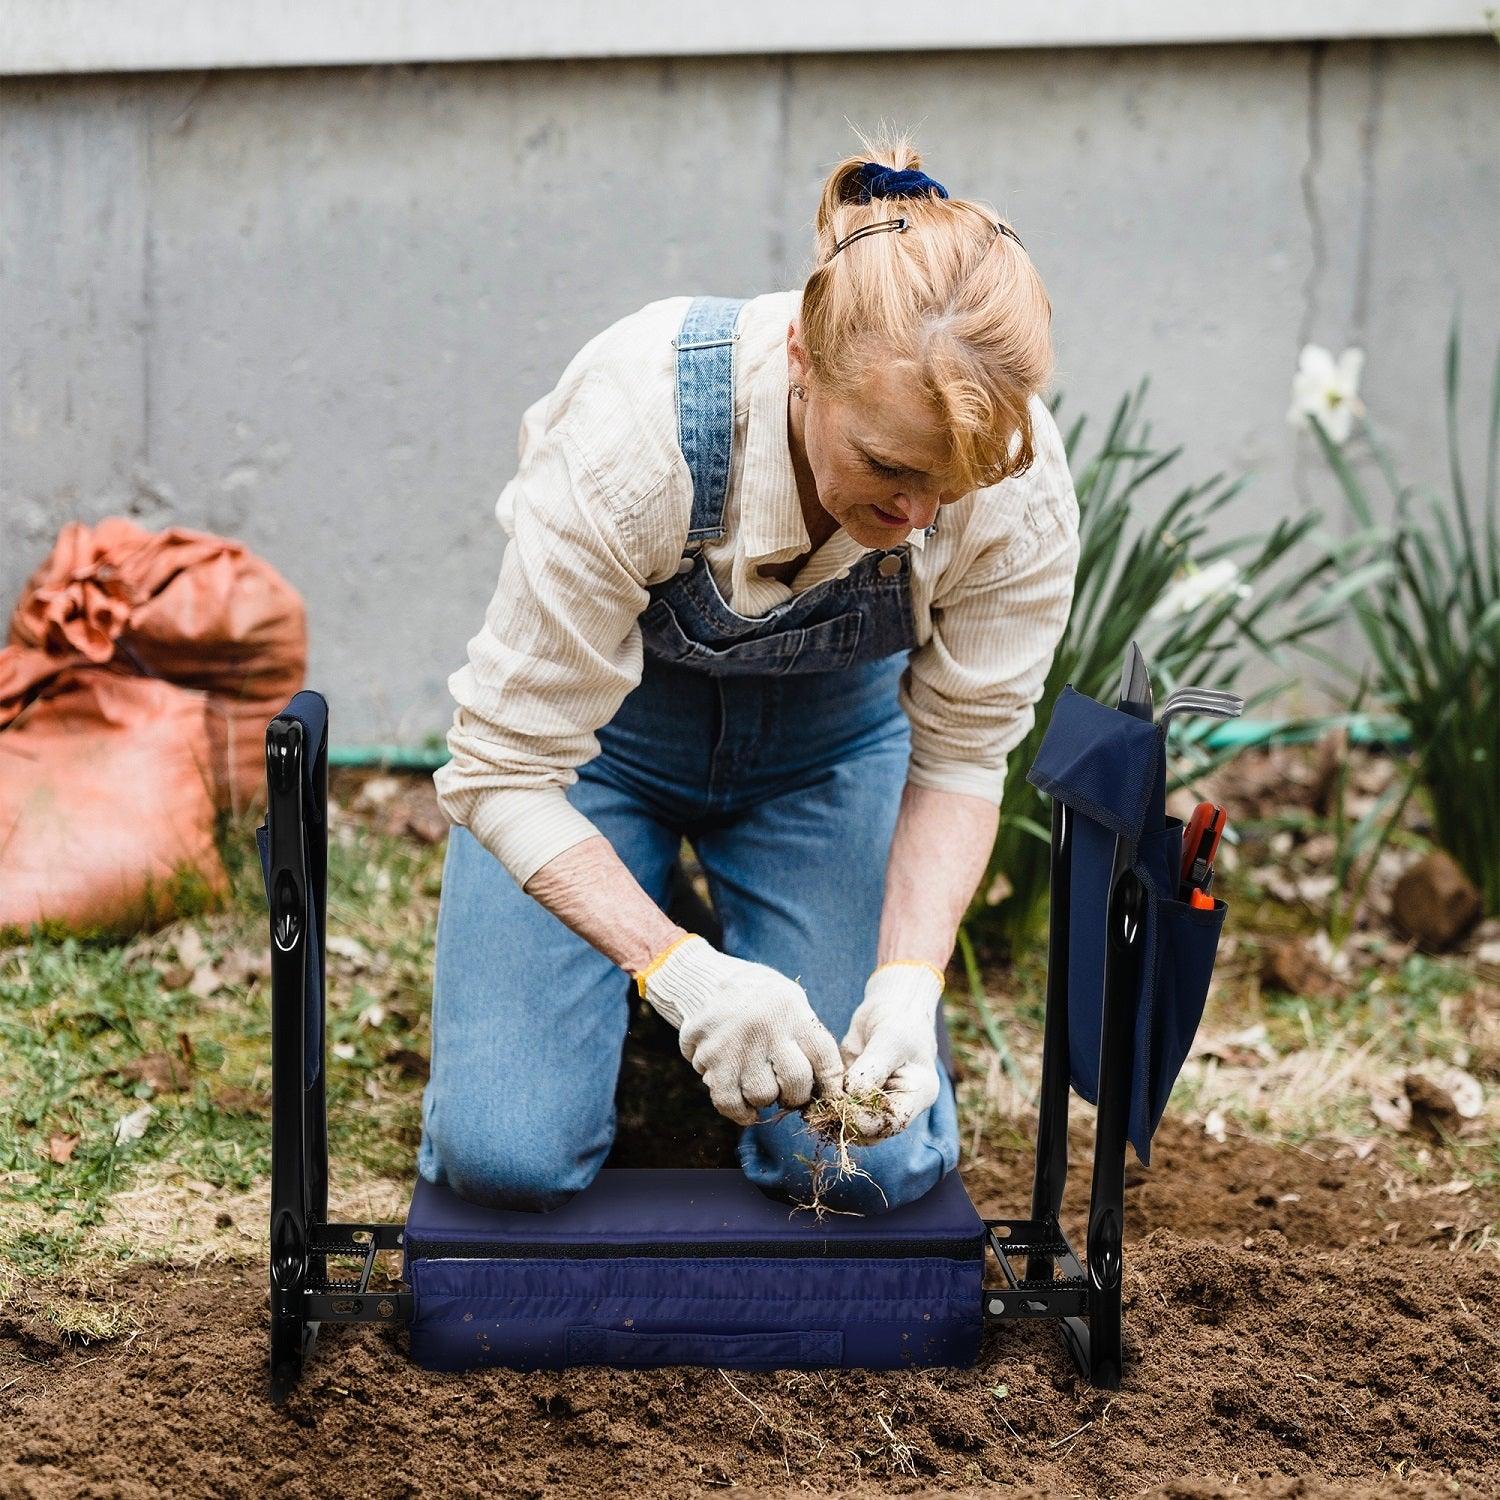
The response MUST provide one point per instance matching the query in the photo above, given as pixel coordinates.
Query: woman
(785, 579)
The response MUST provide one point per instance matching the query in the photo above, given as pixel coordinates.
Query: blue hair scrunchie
(877, 181)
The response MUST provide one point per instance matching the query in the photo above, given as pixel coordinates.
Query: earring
(799, 391)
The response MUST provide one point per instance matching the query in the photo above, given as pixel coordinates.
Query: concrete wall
(307, 308)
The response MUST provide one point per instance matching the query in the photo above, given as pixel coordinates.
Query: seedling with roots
(838, 1123)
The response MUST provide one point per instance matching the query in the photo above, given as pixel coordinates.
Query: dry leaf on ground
(132, 1127)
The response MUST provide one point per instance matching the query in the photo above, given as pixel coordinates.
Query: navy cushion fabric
(1110, 769)
(697, 1267)
(311, 711)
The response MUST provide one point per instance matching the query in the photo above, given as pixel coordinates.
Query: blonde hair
(951, 301)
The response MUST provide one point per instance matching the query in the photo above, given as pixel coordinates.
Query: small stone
(425, 820)
(1394, 1111)
(1435, 902)
(1320, 849)
(1445, 1091)
(350, 949)
(378, 790)
(1485, 941)
(411, 1064)
(1432, 1107)
(1291, 967)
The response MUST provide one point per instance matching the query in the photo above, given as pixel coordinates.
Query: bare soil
(1297, 1327)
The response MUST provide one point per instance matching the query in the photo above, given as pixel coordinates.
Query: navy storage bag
(1110, 769)
(692, 1267)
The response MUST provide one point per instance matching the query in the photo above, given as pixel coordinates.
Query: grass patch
(147, 1061)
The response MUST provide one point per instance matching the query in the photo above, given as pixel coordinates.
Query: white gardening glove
(746, 1028)
(892, 1044)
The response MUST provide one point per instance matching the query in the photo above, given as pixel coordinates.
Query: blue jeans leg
(798, 882)
(528, 1021)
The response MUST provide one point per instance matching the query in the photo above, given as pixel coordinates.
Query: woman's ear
(798, 367)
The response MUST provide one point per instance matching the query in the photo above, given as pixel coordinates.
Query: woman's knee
(503, 1161)
(794, 1166)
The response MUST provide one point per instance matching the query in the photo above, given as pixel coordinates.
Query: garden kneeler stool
(653, 1267)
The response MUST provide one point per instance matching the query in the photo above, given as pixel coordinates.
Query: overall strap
(705, 407)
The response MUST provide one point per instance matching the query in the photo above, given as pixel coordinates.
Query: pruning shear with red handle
(1200, 843)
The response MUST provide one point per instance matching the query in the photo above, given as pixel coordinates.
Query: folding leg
(1053, 1284)
(298, 1171)
(315, 1098)
(1106, 1232)
(1052, 1121)
(295, 858)
(1085, 1298)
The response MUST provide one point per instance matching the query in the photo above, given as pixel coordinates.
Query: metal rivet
(997, 1305)
(685, 566)
(889, 566)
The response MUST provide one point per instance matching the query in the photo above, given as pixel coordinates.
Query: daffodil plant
(1202, 604)
(1424, 588)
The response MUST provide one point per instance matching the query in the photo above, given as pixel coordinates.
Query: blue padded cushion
(692, 1267)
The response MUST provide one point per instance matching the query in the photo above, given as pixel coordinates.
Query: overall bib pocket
(827, 646)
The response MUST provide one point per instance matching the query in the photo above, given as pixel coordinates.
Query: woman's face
(874, 460)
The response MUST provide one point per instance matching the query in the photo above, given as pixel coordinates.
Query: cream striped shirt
(599, 510)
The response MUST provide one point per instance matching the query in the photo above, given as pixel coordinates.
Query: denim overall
(776, 746)
(839, 623)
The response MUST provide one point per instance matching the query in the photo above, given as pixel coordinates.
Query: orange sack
(107, 807)
(134, 694)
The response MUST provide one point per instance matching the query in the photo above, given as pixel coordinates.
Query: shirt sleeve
(971, 690)
(559, 650)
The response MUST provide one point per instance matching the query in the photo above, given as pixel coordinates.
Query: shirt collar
(770, 508)
(771, 511)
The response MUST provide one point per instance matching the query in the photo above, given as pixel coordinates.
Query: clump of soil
(1296, 1327)
(850, 1119)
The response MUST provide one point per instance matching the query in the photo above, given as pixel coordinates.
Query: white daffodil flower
(1200, 586)
(1328, 389)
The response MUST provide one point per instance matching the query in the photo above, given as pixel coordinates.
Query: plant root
(833, 1125)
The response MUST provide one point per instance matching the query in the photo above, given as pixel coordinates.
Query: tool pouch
(1109, 769)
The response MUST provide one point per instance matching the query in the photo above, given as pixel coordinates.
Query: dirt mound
(1253, 1366)
(1327, 1344)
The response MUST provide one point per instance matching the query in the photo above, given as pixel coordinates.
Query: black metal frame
(1085, 1297)
(303, 1295)
(1054, 1283)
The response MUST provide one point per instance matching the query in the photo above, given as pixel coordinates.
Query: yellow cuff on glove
(913, 963)
(658, 961)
